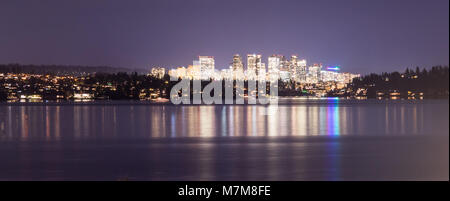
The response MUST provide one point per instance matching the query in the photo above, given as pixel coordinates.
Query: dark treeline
(433, 83)
(63, 69)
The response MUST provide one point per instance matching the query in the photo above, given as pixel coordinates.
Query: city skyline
(278, 67)
(365, 37)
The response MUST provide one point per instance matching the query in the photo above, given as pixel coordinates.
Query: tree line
(433, 83)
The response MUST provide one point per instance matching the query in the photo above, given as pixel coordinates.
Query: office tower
(293, 67)
(261, 71)
(237, 67)
(284, 64)
(206, 66)
(275, 62)
(313, 75)
(158, 72)
(274, 65)
(253, 65)
(237, 63)
(300, 71)
(284, 73)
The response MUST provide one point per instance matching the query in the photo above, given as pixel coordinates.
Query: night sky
(359, 35)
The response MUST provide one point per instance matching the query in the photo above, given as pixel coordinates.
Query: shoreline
(281, 101)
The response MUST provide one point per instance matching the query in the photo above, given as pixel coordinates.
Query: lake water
(300, 139)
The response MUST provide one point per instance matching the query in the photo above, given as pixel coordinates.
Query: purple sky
(359, 35)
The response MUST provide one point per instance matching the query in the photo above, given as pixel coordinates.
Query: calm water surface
(329, 139)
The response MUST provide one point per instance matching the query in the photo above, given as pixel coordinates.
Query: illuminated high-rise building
(313, 75)
(253, 65)
(300, 71)
(293, 63)
(274, 62)
(237, 67)
(284, 64)
(284, 73)
(237, 63)
(158, 72)
(261, 71)
(274, 66)
(293, 67)
(206, 66)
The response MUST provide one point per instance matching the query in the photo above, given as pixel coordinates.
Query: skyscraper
(293, 63)
(237, 63)
(237, 67)
(293, 66)
(284, 73)
(253, 65)
(300, 71)
(206, 66)
(274, 62)
(274, 65)
(261, 71)
(158, 72)
(314, 73)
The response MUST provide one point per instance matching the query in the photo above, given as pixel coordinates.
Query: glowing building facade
(313, 75)
(300, 71)
(158, 72)
(237, 67)
(254, 66)
(274, 65)
(279, 68)
(206, 66)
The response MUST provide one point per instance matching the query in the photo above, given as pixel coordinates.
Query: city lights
(278, 68)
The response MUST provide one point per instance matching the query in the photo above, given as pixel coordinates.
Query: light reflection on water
(329, 117)
(331, 139)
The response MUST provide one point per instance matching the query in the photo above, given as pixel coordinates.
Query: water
(301, 139)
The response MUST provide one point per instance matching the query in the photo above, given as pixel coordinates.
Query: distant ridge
(64, 69)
